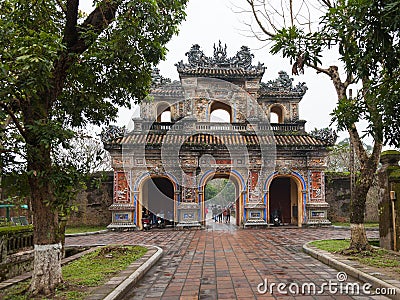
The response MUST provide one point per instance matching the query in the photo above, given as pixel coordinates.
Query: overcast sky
(209, 21)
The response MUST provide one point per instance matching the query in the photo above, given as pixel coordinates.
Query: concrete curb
(345, 266)
(129, 282)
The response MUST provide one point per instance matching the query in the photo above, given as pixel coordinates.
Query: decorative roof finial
(242, 60)
(219, 53)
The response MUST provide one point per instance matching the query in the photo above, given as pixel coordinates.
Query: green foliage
(339, 157)
(331, 245)
(15, 229)
(294, 42)
(220, 191)
(59, 74)
(61, 70)
(369, 46)
(366, 36)
(390, 152)
(394, 172)
(82, 229)
(100, 264)
(379, 258)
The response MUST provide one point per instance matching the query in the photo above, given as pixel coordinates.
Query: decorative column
(316, 206)
(189, 208)
(122, 208)
(254, 210)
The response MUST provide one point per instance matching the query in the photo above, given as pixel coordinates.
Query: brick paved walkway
(223, 262)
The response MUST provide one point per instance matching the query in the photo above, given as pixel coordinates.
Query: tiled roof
(220, 139)
(173, 89)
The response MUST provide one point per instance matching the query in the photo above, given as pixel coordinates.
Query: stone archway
(279, 111)
(238, 182)
(221, 112)
(163, 112)
(157, 195)
(285, 193)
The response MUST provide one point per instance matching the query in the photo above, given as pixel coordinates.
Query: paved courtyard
(225, 262)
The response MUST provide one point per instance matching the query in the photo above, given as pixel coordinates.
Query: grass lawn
(82, 229)
(366, 225)
(85, 273)
(378, 257)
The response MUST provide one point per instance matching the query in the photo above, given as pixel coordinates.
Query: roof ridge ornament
(326, 135)
(111, 133)
(219, 53)
(284, 84)
(197, 59)
(157, 79)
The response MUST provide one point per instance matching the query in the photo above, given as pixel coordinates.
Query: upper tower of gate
(237, 69)
(278, 98)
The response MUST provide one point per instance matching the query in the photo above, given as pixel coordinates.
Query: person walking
(215, 213)
(228, 215)
(224, 212)
(219, 214)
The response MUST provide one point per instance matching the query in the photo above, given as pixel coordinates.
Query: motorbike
(160, 222)
(146, 223)
(276, 217)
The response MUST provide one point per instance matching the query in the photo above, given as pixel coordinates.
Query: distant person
(228, 215)
(215, 213)
(220, 215)
(225, 213)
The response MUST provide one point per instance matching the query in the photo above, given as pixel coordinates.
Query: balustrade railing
(216, 127)
(14, 241)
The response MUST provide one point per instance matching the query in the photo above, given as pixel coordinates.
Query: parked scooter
(160, 222)
(276, 217)
(146, 223)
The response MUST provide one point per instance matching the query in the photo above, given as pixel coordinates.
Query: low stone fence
(16, 251)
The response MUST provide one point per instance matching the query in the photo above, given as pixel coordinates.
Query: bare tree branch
(259, 23)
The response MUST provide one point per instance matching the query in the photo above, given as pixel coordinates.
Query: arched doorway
(285, 196)
(220, 112)
(230, 196)
(276, 114)
(163, 113)
(157, 199)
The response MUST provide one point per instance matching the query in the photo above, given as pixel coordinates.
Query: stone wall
(338, 196)
(389, 180)
(93, 205)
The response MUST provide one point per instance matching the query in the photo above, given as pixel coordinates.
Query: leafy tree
(220, 191)
(61, 69)
(340, 157)
(365, 34)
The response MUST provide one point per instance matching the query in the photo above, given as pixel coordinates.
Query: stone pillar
(389, 180)
(189, 209)
(316, 206)
(123, 209)
(255, 208)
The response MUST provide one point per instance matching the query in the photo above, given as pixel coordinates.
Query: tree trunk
(359, 240)
(47, 247)
(47, 269)
(368, 164)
